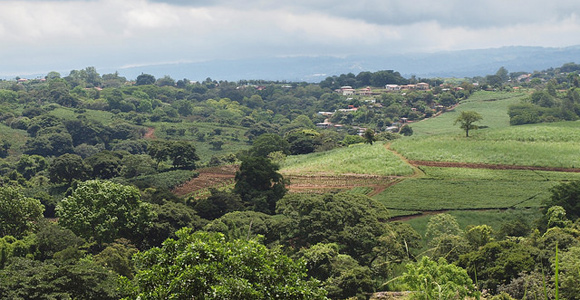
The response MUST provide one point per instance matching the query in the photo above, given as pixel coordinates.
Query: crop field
(547, 145)
(472, 189)
(357, 159)
(433, 194)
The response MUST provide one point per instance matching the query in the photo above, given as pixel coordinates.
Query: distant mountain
(465, 63)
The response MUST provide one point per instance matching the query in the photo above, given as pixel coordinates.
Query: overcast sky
(39, 36)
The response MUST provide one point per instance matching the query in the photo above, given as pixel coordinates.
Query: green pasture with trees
(90, 163)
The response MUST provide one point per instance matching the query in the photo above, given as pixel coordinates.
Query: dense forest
(89, 163)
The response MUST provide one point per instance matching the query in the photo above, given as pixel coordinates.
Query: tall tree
(259, 184)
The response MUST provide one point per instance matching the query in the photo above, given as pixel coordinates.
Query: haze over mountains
(465, 63)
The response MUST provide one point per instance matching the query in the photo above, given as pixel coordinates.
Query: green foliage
(353, 221)
(245, 225)
(406, 130)
(218, 204)
(268, 143)
(170, 217)
(18, 214)
(207, 266)
(499, 263)
(181, 153)
(570, 273)
(438, 280)
(104, 211)
(567, 196)
(259, 184)
(83, 279)
(51, 239)
(67, 168)
(549, 145)
(117, 257)
(528, 286)
(441, 224)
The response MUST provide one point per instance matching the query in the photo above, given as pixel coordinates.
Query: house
(346, 90)
(393, 87)
(422, 86)
(366, 91)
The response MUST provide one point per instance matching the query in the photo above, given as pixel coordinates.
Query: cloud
(45, 34)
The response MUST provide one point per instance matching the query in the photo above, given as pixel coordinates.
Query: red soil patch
(208, 177)
(150, 134)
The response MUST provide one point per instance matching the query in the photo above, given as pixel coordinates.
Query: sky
(38, 36)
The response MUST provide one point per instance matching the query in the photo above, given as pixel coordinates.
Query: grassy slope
(550, 145)
(553, 144)
(357, 159)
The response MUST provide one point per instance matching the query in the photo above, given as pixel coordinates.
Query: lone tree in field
(466, 120)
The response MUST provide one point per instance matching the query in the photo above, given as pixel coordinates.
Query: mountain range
(458, 64)
(464, 63)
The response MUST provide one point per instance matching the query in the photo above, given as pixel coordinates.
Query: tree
(369, 136)
(30, 165)
(218, 204)
(205, 265)
(502, 73)
(145, 79)
(406, 130)
(438, 280)
(104, 211)
(67, 168)
(259, 184)
(182, 153)
(566, 195)
(466, 120)
(18, 214)
(353, 221)
(268, 143)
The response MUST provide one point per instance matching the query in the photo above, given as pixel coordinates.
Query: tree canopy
(104, 211)
(208, 266)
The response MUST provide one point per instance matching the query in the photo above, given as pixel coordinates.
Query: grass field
(491, 105)
(357, 159)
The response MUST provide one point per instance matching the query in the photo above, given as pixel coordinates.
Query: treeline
(547, 105)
